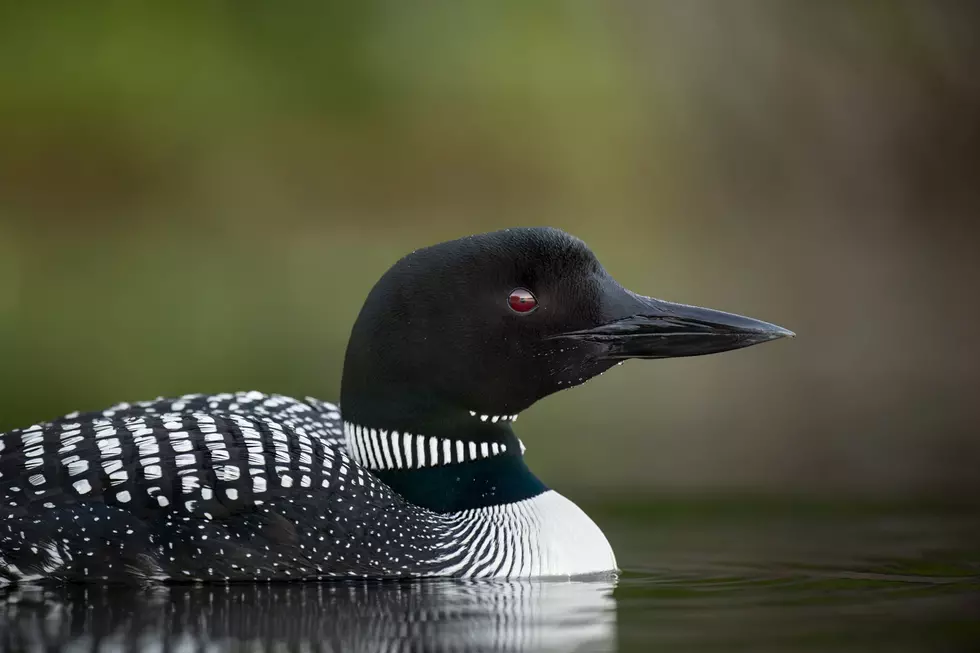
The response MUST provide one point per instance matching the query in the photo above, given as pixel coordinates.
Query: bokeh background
(196, 197)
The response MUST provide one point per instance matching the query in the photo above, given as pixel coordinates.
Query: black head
(487, 325)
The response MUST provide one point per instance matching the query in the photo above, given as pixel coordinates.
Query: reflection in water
(834, 580)
(358, 616)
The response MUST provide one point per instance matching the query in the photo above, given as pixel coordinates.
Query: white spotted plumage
(189, 467)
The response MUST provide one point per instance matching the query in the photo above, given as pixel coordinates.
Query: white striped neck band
(382, 449)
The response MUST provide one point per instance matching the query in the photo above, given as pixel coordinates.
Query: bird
(416, 473)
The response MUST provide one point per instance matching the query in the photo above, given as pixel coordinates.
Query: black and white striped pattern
(546, 535)
(382, 449)
(407, 617)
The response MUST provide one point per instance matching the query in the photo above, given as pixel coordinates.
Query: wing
(232, 487)
(317, 418)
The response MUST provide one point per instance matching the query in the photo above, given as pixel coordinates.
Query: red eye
(522, 301)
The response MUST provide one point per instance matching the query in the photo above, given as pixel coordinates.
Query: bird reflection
(356, 616)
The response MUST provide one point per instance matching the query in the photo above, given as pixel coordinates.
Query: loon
(417, 473)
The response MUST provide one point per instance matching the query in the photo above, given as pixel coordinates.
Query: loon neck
(466, 486)
(478, 464)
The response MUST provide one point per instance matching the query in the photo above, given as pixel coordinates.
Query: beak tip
(780, 332)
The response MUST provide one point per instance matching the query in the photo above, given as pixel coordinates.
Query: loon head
(455, 340)
(489, 324)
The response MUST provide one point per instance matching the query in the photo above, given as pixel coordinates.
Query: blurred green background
(196, 197)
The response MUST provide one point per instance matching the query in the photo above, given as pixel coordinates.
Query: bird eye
(522, 301)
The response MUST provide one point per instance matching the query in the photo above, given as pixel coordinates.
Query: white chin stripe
(493, 418)
(383, 449)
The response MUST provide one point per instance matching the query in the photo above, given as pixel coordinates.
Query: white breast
(545, 536)
(568, 541)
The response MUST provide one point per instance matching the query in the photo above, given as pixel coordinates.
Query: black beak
(659, 329)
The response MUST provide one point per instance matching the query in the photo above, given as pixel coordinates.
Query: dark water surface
(695, 579)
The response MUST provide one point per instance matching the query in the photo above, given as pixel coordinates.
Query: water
(749, 578)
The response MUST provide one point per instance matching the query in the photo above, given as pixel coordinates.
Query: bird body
(250, 486)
